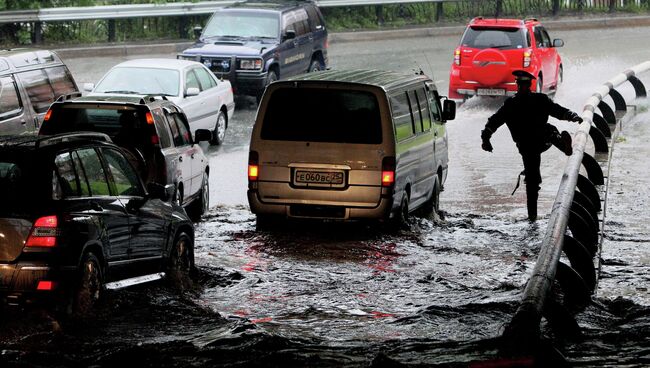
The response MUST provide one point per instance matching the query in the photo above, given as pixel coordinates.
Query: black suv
(76, 218)
(254, 44)
(155, 133)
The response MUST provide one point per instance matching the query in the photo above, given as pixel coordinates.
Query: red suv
(491, 49)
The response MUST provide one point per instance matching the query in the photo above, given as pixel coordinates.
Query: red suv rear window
(503, 38)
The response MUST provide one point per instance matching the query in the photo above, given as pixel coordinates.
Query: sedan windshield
(243, 25)
(140, 81)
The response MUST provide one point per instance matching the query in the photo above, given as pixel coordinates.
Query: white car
(207, 101)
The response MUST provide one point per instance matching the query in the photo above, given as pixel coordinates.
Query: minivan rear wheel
(432, 205)
(401, 217)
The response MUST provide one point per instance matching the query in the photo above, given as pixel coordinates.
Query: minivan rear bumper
(320, 211)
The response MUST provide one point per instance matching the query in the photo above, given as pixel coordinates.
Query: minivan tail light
(527, 59)
(43, 233)
(253, 166)
(457, 57)
(388, 172)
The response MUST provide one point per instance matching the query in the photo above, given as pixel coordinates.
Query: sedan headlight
(250, 64)
(188, 57)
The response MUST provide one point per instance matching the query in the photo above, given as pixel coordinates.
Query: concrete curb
(335, 37)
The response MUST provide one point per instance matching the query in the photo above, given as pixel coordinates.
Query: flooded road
(435, 294)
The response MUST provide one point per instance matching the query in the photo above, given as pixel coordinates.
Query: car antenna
(429, 64)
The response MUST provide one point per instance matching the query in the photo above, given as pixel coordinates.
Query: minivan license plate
(324, 178)
(491, 92)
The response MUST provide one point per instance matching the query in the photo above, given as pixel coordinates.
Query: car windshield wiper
(126, 92)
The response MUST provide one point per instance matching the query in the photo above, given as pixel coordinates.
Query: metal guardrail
(159, 10)
(556, 290)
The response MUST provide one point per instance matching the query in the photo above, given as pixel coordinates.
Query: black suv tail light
(43, 233)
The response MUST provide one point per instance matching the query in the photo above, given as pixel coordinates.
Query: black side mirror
(448, 109)
(197, 32)
(558, 42)
(202, 135)
(290, 34)
(160, 191)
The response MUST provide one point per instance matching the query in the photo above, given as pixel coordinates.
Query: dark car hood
(230, 47)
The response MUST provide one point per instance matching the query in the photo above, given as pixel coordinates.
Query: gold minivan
(348, 145)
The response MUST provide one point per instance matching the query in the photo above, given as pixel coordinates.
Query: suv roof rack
(530, 19)
(68, 96)
(151, 98)
(476, 19)
(45, 140)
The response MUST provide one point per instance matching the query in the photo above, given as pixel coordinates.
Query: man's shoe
(565, 143)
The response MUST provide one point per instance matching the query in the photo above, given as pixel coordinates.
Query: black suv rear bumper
(19, 282)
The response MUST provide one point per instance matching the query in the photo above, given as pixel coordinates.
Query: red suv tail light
(43, 233)
(253, 166)
(457, 57)
(388, 172)
(527, 59)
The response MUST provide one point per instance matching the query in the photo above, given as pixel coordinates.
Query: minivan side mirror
(558, 42)
(160, 191)
(448, 109)
(192, 91)
(88, 87)
(197, 31)
(202, 135)
(290, 34)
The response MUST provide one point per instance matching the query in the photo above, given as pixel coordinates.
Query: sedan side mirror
(558, 42)
(448, 109)
(197, 31)
(290, 34)
(162, 192)
(88, 87)
(192, 91)
(202, 135)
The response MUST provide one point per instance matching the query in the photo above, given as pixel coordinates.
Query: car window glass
(539, 39)
(68, 180)
(500, 38)
(434, 106)
(207, 81)
(164, 137)
(402, 116)
(424, 108)
(9, 101)
(144, 81)
(38, 89)
(234, 23)
(545, 37)
(191, 81)
(314, 18)
(528, 41)
(182, 129)
(125, 179)
(94, 172)
(415, 111)
(60, 80)
(84, 188)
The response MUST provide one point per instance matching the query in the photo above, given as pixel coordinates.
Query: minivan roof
(386, 80)
(24, 58)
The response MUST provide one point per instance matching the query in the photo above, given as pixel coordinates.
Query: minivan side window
(38, 89)
(435, 107)
(421, 95)
(415, 112)
(9, 100)
(402, 117)
(60, 80)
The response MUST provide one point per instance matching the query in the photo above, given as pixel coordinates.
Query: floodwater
(437, 293)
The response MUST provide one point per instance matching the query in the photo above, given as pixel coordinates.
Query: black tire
(401, 217)
(89, 289)
(314, 66)
(432, 205)
(560, 75)
(201, 204)
(271, 77)
(181, 261)
(219, 133)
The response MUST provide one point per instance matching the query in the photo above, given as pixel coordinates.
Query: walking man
(526, 115)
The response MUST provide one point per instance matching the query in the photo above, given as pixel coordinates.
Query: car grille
(218, 64)
(335, 212)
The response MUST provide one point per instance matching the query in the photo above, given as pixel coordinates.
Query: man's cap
(522, 75)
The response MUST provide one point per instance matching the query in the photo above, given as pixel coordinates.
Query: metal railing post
(111, 30)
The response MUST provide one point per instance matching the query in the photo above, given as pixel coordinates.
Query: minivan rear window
(497, 38)
(310, 114)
